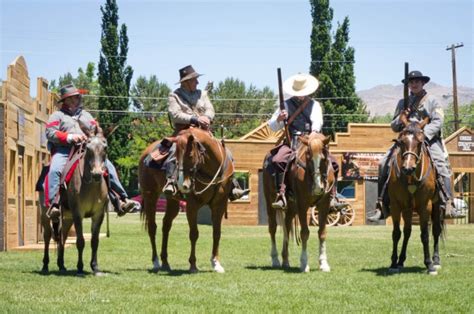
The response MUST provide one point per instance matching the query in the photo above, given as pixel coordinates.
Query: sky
(244, 39)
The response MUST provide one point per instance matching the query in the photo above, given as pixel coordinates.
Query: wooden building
(369, 142)
(22, 154)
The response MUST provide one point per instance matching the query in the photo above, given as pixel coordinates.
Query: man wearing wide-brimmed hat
(420, 106)
(305, 117)
(190, 106)
(63, 132)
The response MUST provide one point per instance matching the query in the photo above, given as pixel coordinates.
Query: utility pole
(455, 87)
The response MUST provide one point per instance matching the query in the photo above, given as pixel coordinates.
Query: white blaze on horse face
(97, 163)
(317, 174)
(410, 161)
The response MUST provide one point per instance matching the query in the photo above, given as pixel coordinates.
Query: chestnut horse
(411, 187)
(86, 196)
(204, 179)
(310, 180)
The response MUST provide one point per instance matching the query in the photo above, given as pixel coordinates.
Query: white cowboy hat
(300, 85)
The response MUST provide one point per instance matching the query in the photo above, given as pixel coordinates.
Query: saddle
(159, 154)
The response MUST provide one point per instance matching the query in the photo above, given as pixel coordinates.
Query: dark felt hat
(187, 73)
(417, 75)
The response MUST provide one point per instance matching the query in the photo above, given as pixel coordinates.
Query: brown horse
(411, 187)
(310, 179)
(86, 196)
(204, 179)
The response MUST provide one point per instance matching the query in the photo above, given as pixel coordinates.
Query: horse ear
(110, 130)
(303, 139)
(425, 121)
(404, 118)
(327, 140)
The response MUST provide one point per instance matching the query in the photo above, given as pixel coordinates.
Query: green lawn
(358, 281)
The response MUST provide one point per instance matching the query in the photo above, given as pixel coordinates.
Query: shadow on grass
(72, 273)
(176, 272)
(267, 268)
(384, 271)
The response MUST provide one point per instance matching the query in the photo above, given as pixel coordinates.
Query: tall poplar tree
(332, 62)
(114, 80)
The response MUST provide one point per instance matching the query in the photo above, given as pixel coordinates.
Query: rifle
(405, 88)
(282, 106)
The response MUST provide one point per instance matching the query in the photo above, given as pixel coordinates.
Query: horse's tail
(143, 215)
(281, 218)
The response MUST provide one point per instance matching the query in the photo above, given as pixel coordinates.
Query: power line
(213, 99)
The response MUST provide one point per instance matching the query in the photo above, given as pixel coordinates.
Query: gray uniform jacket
(185, 107)
(61, 123)
(428, 107)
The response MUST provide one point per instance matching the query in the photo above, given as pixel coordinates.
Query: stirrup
(54, 213)
(280, 202)
(237, 193)
(170, 188)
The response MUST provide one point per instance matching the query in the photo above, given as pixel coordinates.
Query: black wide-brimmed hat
(417, 75)
(187, 73)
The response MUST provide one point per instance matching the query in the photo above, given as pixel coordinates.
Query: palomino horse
(411, 186)
(86, 196)
(310, 180)
(204, 179)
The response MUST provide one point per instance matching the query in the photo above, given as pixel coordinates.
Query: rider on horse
(63, 132)
(189, 106)
(305, 116)
(420, 106)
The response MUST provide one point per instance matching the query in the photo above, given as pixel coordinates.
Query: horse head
(410, 141)
(314, 148)
(95, 152)
(190, 153)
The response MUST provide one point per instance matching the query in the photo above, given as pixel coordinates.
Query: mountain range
(382, 99)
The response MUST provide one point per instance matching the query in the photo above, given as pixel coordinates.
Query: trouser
(58, 162)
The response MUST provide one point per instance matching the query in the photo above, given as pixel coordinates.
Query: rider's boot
(335, 203)
(450, 210)
(237, 192)
(382, 209)
(170, 188)
(280, 201)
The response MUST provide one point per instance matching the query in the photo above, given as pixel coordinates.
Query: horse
(411, 187)
(310, 179)
(204, 179)
(86, 196)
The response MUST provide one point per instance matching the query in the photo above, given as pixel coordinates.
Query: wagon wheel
(332, 219)
(347, 216)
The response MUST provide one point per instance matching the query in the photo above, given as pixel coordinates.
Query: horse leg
(287, 228)
(79, 242)
(45, 223)
(66, 225)
(396, 235)
(191, 215)
(172, 210)
(437, 229)
(272, 228)
(304, 233)
(322, 219)
(95, 230)
(149, 201)
(407, 227)
(425, 239)
(217, 211)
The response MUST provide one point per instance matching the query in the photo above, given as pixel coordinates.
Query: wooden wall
(24, 151)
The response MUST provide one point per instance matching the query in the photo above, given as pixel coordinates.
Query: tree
(233, 102)
(332, 62)
(466, 114)
(154, 94)
(114, 82)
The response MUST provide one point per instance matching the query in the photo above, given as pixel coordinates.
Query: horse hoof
(276, 264)
(325, 269)
(193, 270)
(305, 269)
(432, 272)
(216, 265)
(44, 270)
(286, 265)
(165, 267)
(62, 270)
(80, 274)
(394, 270)
(99, 273)
(437, 266)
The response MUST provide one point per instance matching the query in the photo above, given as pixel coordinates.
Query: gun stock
(405, 88)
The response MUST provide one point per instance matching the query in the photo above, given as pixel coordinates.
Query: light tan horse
(411, 187)
(204, 179)
(86, 196)
(310, 179)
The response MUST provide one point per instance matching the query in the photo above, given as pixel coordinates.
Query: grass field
(358, 281)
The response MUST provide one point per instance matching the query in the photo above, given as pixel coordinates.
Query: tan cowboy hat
(187, 73)
(68, 91)
(300, 85)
